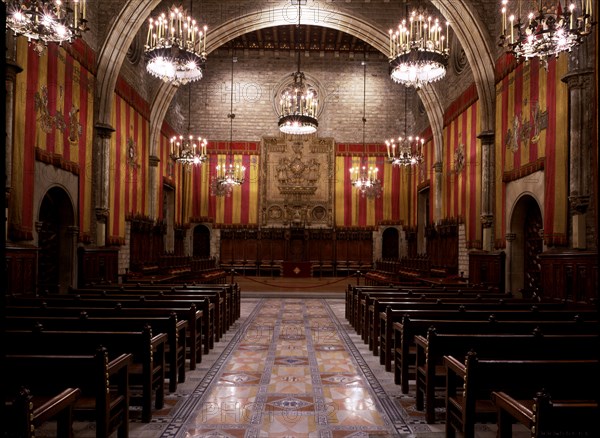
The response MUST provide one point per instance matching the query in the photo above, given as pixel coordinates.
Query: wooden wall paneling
(21, 266)
(570, 274)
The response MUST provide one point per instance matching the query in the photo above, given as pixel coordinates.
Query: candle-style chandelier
(408, 150)
(228, 173)
(46, 21)
(418, 50)
(298, 103)
(175, 47)
(547, 30)
(363, 176)
(188, 149)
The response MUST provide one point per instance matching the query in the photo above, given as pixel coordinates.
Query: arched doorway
(55, 242)
(527, 244)
(201, 243)
(389, 244)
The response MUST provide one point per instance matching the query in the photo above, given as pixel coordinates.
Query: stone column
(73, 233)
(12, 69)
(101, 181)
(437, 195)
(488, 188)
(153, 182)
(581, 91)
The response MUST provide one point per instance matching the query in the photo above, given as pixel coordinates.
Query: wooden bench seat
(28, 412)
(404, 349)
(430, 371)
(195, 321)
(545, 417)
(471, 381)
(175, 348)
(177, 306)
(103, 382)
(146, 369)
(391, 316)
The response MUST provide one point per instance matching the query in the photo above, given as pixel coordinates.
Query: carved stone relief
(296, 182)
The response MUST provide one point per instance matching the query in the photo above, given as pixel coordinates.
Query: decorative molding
(459, 158)
(579, 203)
(56, 160)
(528, 169)
(153, 161)
(487, 220)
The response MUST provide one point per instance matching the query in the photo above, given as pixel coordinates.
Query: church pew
(545, 417)
(391, 316)
(28, 412)
(194, 328)
(471, 381)
(146, 369)
(103, 382)
(404, 349)
(177, 306)
(217, 299)
(375, 304)
(175, 347)
(430, 372)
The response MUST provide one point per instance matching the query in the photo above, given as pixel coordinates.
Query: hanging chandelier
(188, 149)
(548, 29)
(46, 21)
(229, 173)
(363, 176)
(298, 103)
(175, 47)
(408, 151)
(418, 50)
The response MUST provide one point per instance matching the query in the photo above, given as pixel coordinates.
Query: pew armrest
(56, 406)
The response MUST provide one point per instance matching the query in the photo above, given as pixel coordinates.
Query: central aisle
(287, 372)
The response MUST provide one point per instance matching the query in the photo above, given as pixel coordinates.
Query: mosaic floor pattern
(290, 375)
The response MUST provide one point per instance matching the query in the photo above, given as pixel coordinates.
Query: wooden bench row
(102, 382)
(551, 397)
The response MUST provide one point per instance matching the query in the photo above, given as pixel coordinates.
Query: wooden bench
(184, 309)
(194, 326)
(103, 382)
(175, 348)
(391, 316)
(27, 413)
(379, 303)
(470, 382)
(404, 349)
(146, 368)
(430, 370)
(545, 417)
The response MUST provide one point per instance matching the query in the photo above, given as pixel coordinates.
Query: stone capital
(579, 204)
(101, 214)
(438, 167)
(580, 78)
(104, 130)
(487, 137)
(487, 220)
(153, 161)
(12, 70)
(510, 237)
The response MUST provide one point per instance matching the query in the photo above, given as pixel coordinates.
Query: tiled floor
(289, 367)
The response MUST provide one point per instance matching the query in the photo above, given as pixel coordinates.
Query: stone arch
(476, 42)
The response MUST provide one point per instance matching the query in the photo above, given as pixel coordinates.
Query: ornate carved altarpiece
(297, 181)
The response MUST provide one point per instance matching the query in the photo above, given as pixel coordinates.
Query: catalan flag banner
(461, 192)
(532, 135)
(53, 124)
(352, 209)
(128, 183)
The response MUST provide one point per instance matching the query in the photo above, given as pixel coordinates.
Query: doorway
(55, 242)
(390, 244)
(201, 242)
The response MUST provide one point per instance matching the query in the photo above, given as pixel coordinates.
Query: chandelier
(364, 177)
(228, 173)
(548, 29)
(418, 50)
(188, 149)
(46, 21)
(298, 104)
(409, 149)
(175, 47)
